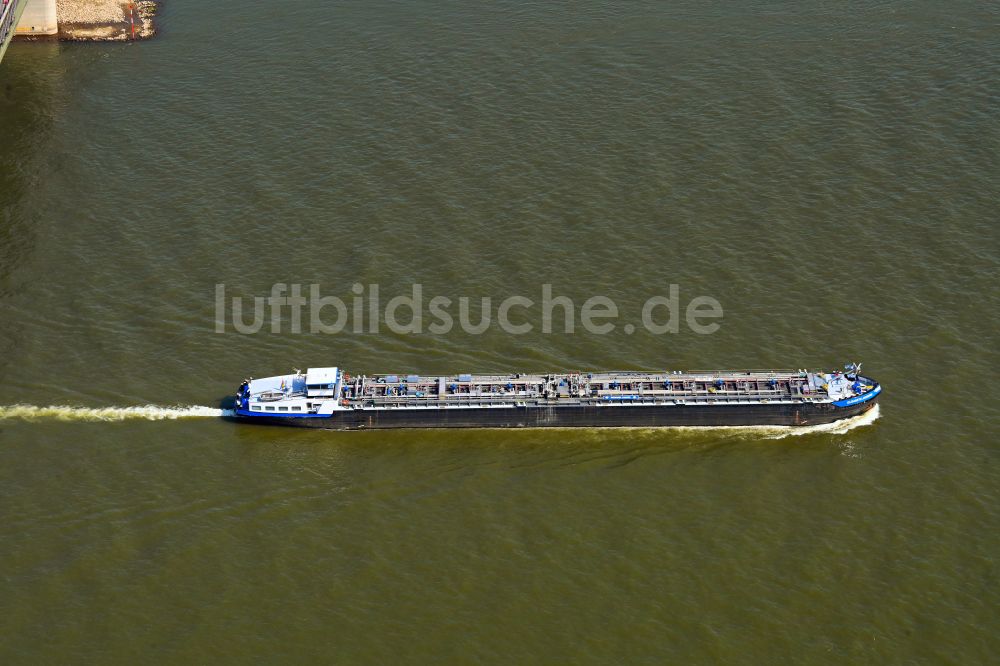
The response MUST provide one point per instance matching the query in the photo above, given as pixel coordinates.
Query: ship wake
(835, 428)
(35, 413)
(109, 414)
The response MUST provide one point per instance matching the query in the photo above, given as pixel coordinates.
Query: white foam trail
(105, 414)
(835, 428)
(157, 413)
(765, 431)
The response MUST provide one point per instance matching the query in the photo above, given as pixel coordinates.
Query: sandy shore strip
(105, 20)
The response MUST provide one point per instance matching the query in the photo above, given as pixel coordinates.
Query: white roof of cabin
(276, 383)
(321, 376)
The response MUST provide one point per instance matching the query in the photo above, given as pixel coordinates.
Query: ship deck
(578, 388)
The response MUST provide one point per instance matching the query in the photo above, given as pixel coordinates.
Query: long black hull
(652, 416)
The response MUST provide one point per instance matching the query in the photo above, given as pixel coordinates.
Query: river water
(828, 172)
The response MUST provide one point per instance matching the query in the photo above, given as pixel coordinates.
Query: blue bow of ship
(331, 398)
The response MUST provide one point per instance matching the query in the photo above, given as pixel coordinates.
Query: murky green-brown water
(828, 171)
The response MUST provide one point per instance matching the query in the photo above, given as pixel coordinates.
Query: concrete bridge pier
(39, 18)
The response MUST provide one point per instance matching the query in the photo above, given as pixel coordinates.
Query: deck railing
(603, 400)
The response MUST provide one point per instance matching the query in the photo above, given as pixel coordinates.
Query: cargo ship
(333, 399)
